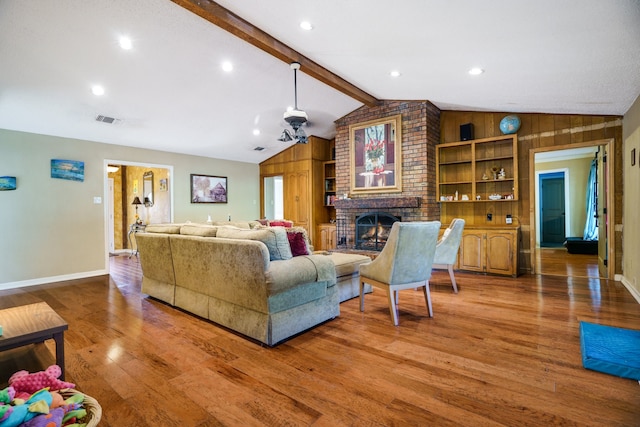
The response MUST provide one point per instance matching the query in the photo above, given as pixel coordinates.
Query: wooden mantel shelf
(378, 203)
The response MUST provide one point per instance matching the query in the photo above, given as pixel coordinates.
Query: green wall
(53, 230)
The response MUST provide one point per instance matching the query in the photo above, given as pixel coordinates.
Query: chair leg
(393, 308)
(453, 278)
(427, 297)
(361, 295)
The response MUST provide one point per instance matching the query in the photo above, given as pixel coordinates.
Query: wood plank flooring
(559, 262)
(502, 352)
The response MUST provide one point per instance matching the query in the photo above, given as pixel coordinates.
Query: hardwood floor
(503, 351)
(559, 262)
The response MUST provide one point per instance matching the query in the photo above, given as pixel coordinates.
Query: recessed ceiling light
(256, 132)
(476, 71)
(125, 43)
(97, 90)
(306, 25)
(227, 66)
(395, 73)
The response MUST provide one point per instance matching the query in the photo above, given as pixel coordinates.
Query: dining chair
(404, 263)
(447, 249)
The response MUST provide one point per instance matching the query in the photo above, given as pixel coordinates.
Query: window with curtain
(591, 225)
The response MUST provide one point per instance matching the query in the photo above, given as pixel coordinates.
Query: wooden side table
(32, 324)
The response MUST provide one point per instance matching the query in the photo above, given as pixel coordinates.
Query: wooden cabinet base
(491, 250)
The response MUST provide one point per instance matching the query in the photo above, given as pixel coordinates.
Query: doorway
(575, 212)
(552, 209)
(124, 181)
(273, 196)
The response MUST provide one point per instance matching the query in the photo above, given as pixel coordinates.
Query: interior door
(296, 203)
(552, 209)
(602, 187)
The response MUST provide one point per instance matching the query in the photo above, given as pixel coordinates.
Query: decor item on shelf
(456, 196)
(478, 197)
(495, 197)
(485, 176)
(466, 132)
(502, 174)
(510, 124)
(495, 170)
(136, 202)
(465, 197)
(296, 118)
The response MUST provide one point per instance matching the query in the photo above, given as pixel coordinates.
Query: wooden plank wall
(536, 131)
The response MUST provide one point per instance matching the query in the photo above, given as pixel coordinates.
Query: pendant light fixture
(296, 118)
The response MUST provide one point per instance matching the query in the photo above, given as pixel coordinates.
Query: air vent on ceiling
(107, 119)
(258, 148)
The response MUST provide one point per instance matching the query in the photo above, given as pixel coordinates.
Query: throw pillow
(299, 241)
(297, 244)
(163, 228)
(280, 223)
(275, 238)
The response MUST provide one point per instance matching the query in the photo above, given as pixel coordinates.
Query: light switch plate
(97, 200)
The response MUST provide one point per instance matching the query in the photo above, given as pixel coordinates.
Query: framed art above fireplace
(376, 155)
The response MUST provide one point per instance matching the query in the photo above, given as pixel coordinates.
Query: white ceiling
(569, 56)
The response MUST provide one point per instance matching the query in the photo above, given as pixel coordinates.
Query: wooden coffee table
(31, 324)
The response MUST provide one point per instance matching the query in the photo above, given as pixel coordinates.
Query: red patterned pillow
(280, 223)
(298, 242)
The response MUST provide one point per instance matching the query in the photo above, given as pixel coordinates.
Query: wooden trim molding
(229, 21)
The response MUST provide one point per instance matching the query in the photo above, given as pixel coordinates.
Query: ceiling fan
(296, 118)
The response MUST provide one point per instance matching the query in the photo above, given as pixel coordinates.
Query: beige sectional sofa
(245, 278)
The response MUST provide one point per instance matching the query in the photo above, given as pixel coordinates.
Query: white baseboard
(633, 291)
(43, 280)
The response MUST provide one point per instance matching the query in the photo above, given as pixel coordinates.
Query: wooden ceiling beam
(227, 20)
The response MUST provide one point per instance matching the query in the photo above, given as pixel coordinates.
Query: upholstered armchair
(404, 263)
(447, 249)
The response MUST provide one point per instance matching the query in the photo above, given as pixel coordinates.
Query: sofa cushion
(275, 238)
(163, 228)
(237, 224)
(347, 264)
(298, 241)
(204, 230)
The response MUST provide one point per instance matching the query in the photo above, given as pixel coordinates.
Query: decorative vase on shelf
(510, 124)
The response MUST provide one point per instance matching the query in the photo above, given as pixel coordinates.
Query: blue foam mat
(611, 350)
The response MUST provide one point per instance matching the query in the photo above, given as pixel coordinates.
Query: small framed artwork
(163, 184)
(633, 157)
(7, 183)
(208, 189)
(72, 170)
(376, 155)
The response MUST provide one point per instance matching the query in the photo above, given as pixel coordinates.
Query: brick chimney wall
(420, 134)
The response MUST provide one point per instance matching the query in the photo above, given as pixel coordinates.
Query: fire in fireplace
(372, 230)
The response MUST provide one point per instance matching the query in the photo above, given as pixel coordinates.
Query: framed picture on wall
(208, 189)
(376, 155)
(163, 184)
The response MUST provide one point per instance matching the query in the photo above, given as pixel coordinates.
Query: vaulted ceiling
(169, 92)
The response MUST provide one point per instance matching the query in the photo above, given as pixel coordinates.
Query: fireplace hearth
(372, 230)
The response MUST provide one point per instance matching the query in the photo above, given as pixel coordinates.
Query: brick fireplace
(416, 201)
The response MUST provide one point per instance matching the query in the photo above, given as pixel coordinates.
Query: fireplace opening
(372, 230)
